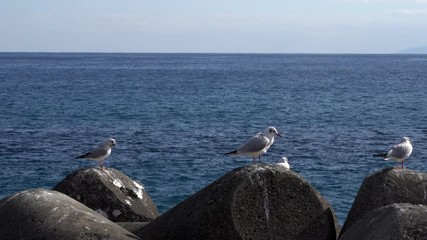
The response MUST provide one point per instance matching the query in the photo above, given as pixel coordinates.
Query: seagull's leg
(259, 158)
(402, 164)
(254, 160)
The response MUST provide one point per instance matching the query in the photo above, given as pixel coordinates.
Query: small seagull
(284, 163)
(101, 152)
(257, 145)
(399, 152)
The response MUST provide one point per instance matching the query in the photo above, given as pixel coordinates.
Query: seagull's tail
(232, 153)
(82, 156)
(383, 155)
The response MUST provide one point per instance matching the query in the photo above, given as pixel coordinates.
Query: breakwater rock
(255, 202)
(385, 187)
(110, 193)
(51, 215)
(397, 221)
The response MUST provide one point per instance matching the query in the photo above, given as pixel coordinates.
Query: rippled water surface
(175, 115)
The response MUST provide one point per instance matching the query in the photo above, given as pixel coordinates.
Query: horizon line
(212, 53)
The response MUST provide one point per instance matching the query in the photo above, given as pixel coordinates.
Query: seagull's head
(110, 142)
(405, 139)
(284, 159)
(272, 132)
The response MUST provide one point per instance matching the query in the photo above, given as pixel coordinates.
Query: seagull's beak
(278, 135)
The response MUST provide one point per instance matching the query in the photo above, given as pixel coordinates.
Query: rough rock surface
(400, 221)
(385, 187)
(133, 227)
(255, 202)
(51, 215)
(110, 193)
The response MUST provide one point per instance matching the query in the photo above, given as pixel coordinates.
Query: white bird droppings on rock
(138, 185)
(138, 190)
(63, 217)
(118, 183)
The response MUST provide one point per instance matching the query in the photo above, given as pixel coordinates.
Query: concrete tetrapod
(110, 193)
(385, 187)
(398, 221)
(51, 215)
(255, 202)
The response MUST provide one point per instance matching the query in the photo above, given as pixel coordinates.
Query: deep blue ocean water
(175, 115)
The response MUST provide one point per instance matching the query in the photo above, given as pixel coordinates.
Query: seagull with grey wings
(100, 153)
(399, 152)
(257, 145)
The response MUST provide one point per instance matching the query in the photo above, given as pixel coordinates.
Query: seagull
(398, 152)
(101, 152)
(257, 145)
(284, 163)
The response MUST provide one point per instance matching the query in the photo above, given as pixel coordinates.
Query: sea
(175, 115)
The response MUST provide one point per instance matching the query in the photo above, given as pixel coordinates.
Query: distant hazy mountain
(415, 50)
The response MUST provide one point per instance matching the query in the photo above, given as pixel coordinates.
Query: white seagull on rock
(399, 152)
(101, 152)
(284, 163)
(257, 145)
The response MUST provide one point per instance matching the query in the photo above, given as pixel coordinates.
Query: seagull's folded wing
(398, 151)
(254, 144)
(96, 153)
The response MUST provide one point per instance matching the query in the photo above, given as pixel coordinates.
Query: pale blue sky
(218, 26)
